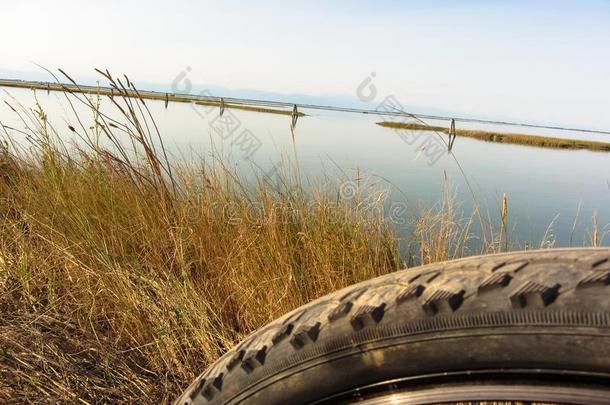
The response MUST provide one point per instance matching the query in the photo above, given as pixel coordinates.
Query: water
(544, 186)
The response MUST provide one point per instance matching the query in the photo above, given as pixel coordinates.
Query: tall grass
(123, 273)
(444, 231)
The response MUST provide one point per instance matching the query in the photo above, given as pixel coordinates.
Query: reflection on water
(540, 183)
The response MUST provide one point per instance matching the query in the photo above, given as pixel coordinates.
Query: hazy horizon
(537, 61)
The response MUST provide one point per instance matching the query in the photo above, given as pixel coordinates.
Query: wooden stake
(452, 135)
(295, 117)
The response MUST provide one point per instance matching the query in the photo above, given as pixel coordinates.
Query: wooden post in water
(451, 135)
(222, 106)
(166, 99)
(295, 117)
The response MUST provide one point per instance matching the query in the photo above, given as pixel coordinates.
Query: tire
(539, 319)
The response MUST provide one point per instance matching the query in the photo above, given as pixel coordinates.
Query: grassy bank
(115, 287)
(500, 137)
(123, 275)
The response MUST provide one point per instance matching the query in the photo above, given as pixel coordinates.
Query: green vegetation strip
(148, 95)
(517, 139)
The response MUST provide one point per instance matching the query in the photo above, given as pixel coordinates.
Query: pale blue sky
(540, 61)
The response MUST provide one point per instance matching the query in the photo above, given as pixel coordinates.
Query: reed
(444, 231)
(503, 218)
(124, 273)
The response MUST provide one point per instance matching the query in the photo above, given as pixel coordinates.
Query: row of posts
(295, 116)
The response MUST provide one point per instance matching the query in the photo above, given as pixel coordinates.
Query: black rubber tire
(538, 312)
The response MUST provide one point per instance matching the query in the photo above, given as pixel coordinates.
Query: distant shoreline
(148, 95)
(509, 138)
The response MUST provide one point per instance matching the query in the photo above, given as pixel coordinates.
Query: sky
(536, 61)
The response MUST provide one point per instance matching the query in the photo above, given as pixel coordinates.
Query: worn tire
(533, 315)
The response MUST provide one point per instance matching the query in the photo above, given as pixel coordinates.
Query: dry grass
(500, 137)
(443, 233)
(123, 274)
